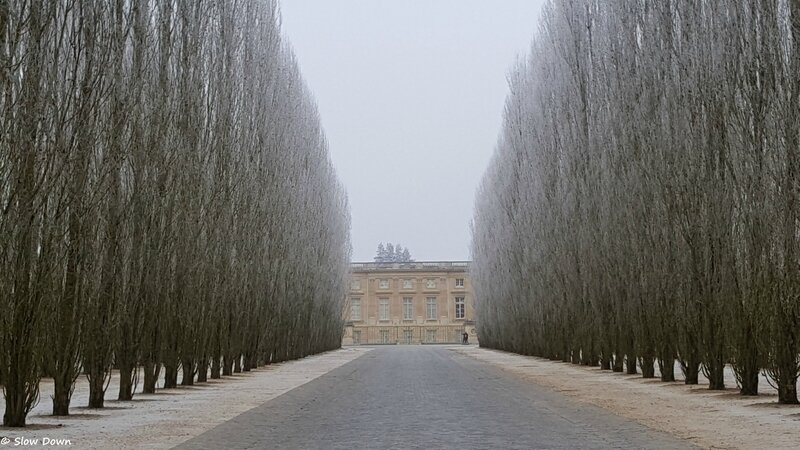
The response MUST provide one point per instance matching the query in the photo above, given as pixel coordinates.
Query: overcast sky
(411, 94)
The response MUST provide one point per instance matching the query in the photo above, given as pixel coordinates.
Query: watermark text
(21, 441)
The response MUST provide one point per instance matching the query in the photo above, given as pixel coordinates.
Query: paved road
(427, 397)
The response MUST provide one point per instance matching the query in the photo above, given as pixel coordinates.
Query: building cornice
(414, 266)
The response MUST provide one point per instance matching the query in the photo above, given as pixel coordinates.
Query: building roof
(413, 266)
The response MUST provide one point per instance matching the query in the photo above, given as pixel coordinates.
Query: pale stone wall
(444, 282)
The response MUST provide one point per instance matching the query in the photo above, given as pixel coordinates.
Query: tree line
(167, 202)
(642, 201)
(390, 253)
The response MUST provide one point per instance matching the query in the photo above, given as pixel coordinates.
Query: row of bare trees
(642, 202)
(167, 203)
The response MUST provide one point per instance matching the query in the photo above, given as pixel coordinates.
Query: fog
(411, 95)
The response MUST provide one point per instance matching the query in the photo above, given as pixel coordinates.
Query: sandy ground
(710, 419)
(168, 417)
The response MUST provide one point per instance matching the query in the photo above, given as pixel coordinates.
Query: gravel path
(427, 397)
(170, 416)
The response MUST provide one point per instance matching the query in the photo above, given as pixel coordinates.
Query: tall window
(431, 308)
(383, 309)
(384, 336)
(408, 309)
(459, 282)
(357, 337)
(460, 307)
(408, 335)
(355, 309)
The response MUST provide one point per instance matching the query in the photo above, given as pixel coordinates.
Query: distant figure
(465, 338)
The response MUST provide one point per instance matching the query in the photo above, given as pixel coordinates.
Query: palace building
(409, 303)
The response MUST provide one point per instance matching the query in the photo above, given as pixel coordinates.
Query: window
(408, 284)
(383, 309)
(357, 337)
(407, 336)
(430, 283)
(408, 309)
(430, 335)
(355, 285)
(383, 284)
(459, 307)
(459, 282)
(384, 336)
(355, 309)
(431, 308)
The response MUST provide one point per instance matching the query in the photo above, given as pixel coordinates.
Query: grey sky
(411, 94)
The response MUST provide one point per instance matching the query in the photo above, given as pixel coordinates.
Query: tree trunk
(691, 371)
(716, 375)
(784, 369)
(15, 413)
(666, 362)
(170, 376)
(249, 362)
(227, 366)
(202, 370)
(97, 370)
(125, 383)
(748, 380)
(589, 359)
(61, 399)
(630, 365)
(748, 361)
(630, 353)
(605, 362)
(151, 372)
(647, 364)
(97, 391)
(237, 364)
(97, 376)
(618, 364)
(787, 392)
(215, 368)
(188, 373)
(666, 365)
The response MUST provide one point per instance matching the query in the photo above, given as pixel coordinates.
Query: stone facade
(409, 303)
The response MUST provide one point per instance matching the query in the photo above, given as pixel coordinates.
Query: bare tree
(622, 218)
(167, 191)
